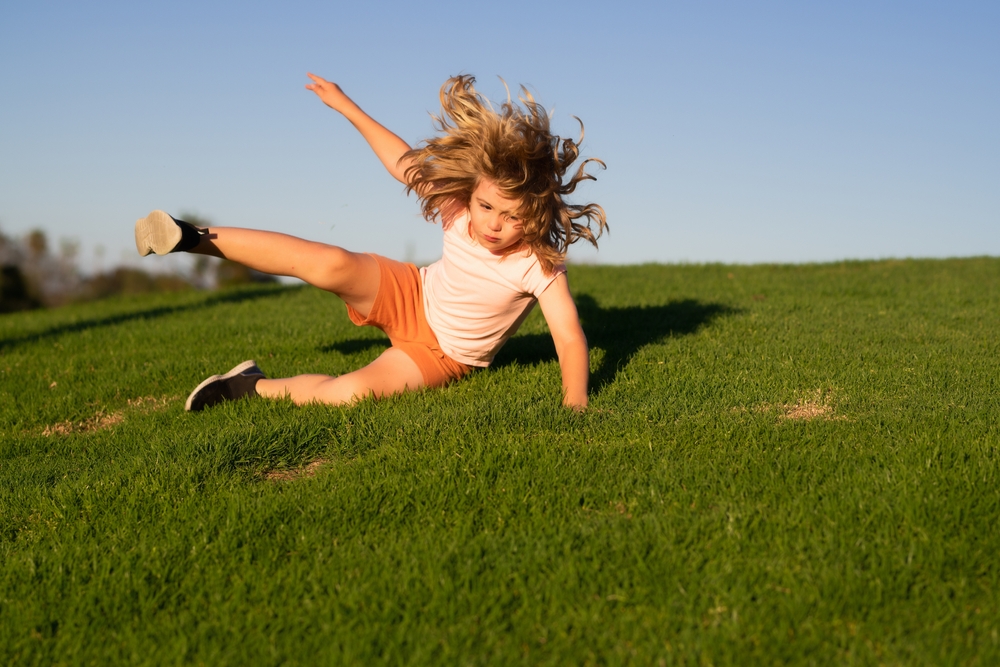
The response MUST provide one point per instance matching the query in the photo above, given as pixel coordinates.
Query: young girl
(495, 181)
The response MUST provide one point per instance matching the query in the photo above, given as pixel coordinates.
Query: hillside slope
(793, 464)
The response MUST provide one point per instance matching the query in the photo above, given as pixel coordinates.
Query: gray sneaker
(239, 382)
(160, 233)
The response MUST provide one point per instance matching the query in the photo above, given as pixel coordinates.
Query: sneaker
(162, 234)
(237, 383)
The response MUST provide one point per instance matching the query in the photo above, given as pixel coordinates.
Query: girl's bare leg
(392, 373)
(352, 276)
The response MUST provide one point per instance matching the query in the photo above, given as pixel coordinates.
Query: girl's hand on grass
(571, 343)
(329, 92)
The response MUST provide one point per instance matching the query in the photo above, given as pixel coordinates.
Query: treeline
(33, 275)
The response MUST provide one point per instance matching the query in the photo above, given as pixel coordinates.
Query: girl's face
(494, 221)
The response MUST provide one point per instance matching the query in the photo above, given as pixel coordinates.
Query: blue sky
(733, 132)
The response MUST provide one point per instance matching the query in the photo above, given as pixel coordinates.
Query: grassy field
(780, 465)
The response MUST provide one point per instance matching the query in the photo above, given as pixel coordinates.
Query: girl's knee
(342, 390)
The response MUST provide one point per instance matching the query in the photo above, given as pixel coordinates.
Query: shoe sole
(157, 232)
(246, 365)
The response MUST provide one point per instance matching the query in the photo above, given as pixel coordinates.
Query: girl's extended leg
(392, 373)
(352, 276)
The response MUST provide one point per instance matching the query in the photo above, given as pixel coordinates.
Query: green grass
(688, 517)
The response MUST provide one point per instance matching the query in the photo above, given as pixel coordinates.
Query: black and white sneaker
(237, 383)
(162, 234)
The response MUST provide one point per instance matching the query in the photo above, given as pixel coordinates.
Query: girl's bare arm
(387, 146)
(571, 344)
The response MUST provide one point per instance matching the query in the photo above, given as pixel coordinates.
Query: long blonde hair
(516, 151)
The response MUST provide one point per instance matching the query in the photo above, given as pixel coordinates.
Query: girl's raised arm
(387, 146)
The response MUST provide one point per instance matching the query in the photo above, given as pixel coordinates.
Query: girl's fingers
(319, 84)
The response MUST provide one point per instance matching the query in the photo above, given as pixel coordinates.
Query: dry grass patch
(151, 403)
(817, 405)
(98, 422)
(805, 409)
(103, 419)
(288, 474)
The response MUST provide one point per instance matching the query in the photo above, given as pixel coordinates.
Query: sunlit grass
(779, 464)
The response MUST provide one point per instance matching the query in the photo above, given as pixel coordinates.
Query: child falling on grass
(495, 181)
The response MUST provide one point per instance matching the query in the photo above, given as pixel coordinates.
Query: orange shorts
(399, 312)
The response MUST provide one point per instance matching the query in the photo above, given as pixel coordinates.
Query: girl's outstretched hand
(387, 146)
(329, 92)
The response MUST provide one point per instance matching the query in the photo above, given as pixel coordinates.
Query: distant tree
(50, 279)
(228, 274)
(201, 273)
(126, 280)
(31, 276)
(14, 294)
(38, 244)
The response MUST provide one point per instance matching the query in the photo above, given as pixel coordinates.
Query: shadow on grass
(620, 332)
(148, 314)
(356, 345)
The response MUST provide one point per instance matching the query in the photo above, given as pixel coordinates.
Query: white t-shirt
(475, 300)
